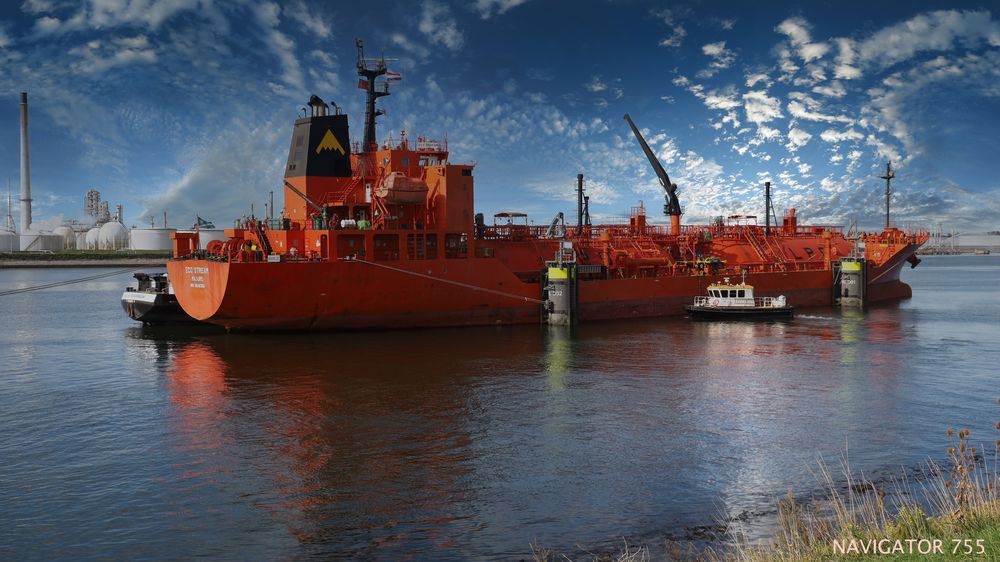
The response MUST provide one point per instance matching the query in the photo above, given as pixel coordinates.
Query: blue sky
(187, 105)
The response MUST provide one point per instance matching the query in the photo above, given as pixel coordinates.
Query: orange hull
(344, 295)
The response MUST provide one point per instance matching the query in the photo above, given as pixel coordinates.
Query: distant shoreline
(61, 263)
(77, 258)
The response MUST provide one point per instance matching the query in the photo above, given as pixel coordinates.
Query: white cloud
(440, 27)
(36, 6)
(933, 31)
(753, 79)
(722, 58)
(676, 38)
(797, 138)
(595, 85)
(844, 67)
(5, 39)
(268, 16)
(797, 30)
(98, 56)
(308, 18)
(761, 108)
(804, 107)
(831, 135)
(834, 89)
(489, 8)
(721, 99)
(47, 24)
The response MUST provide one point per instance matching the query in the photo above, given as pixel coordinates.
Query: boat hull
(154, 308)
(737, 312)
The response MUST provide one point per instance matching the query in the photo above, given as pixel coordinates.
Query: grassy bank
(91, 255)
(864, 522)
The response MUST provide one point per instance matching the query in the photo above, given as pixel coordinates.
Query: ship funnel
(25, 167)
(319, 107)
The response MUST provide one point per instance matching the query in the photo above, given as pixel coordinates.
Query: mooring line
(68, 282)
(450, 282)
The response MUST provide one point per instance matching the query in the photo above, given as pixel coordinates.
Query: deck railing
(759, 302)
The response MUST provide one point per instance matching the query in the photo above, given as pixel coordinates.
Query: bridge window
(456, 245)
(432, 246)
(350, 245)
(386, 247)
(743, 293)
(415, 246)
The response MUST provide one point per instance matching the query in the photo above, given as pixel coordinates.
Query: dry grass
(962, 495)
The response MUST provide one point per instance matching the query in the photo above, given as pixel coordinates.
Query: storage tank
(206, 235)
(113, 236)
(93, 238)
(9, 242)
(81, 240)
(41, 242)
(69, 237)
(151, 239)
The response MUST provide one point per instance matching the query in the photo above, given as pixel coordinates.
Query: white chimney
(25, 168)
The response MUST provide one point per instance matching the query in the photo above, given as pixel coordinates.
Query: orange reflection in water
(350, 445)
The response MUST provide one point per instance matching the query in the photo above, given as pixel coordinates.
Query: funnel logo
(330, 142)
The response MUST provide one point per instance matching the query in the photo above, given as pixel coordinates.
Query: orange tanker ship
(386, 237)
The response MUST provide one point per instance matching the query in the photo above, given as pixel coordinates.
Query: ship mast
(889, 174)
(367, 83)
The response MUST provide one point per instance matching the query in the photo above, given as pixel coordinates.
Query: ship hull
(349, 295)
(884, 283)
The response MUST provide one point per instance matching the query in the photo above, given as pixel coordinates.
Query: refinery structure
(99, 229)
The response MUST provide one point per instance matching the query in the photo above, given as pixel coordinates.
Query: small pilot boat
(728, 300)
(153, 301)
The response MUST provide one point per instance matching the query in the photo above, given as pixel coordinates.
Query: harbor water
(126, 442)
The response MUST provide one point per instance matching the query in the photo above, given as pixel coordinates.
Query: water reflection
(471, 442)
(361, 448)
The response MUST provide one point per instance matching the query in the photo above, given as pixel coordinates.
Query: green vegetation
(857, 525)
(84, 255)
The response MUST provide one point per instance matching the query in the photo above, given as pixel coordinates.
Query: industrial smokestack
(25, 167)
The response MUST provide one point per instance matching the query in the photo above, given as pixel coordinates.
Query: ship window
(415, 246)
(350, 245)
(432, 246)
(743, 293)
(404, 161)
(455, 245)
(725, 294)
(467, 172)
(386, 247)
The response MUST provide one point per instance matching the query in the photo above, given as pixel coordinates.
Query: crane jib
(673, 206)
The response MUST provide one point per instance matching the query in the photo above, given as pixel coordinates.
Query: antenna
(367, 83)
(889, 174)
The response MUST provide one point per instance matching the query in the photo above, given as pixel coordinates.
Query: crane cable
(68, 282)
(450, 282)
